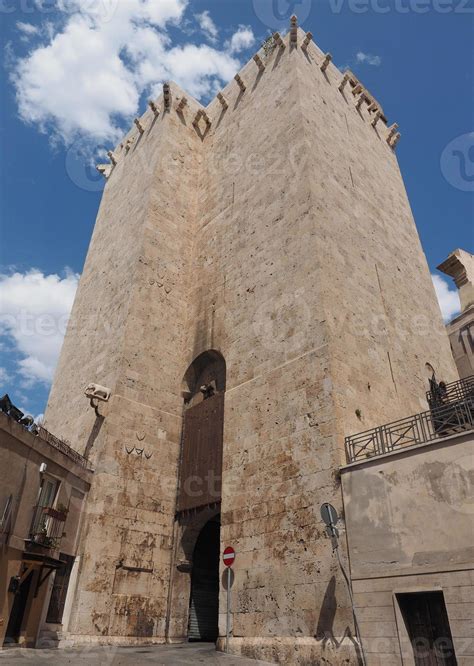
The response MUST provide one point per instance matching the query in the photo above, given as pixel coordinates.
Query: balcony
(452, 412)
(47, 528)
(443, 394)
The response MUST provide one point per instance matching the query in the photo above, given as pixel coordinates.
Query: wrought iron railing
(443, 394)
(417, 429)
(62, 446)
(28, 424)
(47, 526)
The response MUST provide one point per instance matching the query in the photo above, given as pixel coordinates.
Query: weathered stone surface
(281, 236)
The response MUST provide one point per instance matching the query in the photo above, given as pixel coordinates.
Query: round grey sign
(329, 514)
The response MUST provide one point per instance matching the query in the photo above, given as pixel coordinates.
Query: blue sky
(76, 72)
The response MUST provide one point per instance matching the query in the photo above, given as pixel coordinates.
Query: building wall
(409, 525)
(460, 266)
(134, 294)
(461, 337)
(305, 235)
(21, 454)
(273, 239)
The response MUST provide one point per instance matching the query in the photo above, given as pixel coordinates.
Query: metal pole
(227, 628)
(335, 545)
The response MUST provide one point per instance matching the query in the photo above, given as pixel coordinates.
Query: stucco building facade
(44, 484)
(460, 266)
(255, 290)
(409, 516)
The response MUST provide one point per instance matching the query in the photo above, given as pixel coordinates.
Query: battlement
(263, 63)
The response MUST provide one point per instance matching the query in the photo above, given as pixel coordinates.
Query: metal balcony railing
(62, 446)
(47, 527)
(443, 394)
(28, 424)
(429, 426)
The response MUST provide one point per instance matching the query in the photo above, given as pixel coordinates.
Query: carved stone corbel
(112, 157)
(182, 103)
(278, 40)
(344, 82)
(222, 100)
(294, 31)
(392, 130)
(153, 107)
(326, 61)
(138, 125)
(306, 41)
(166, 96)
(240, 83)
(259, 62)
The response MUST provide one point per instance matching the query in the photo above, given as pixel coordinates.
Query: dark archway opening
(204, 601)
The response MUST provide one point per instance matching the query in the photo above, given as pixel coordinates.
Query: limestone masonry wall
(273, 227)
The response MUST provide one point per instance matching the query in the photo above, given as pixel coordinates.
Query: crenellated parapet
(201, 118)
(363, 99)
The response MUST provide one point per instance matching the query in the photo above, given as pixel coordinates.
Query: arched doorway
(194, 590)
(204, 599)
(200, 474)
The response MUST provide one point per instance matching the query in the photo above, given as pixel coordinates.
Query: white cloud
(368, 59)
(27, 28)
(86, 77)
(207, 25)
(4, 375)
(200, 69)
(34, 309)
(448, 299)
(242, 39)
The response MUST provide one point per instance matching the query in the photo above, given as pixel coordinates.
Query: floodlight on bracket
(96, 393)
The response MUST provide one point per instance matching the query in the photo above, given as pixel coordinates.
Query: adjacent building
(408, 492)
(460, 266)
(44, 484)
(409, 514)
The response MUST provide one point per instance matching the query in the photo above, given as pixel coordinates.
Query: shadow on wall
(93, 435)
(325, 628)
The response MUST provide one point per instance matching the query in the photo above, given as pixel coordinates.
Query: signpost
(329, 514)
(330, 518)
(228, 557)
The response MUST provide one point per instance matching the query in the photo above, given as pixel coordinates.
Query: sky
(75, 73)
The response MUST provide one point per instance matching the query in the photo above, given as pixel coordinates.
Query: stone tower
(254, 291)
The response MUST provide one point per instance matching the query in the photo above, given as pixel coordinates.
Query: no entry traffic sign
(228, 556)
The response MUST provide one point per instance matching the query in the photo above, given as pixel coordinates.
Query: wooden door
(427, 624)
(201, 458)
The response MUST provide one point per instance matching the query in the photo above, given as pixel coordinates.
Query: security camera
(97, 392)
